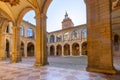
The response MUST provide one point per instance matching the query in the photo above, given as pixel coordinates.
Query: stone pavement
(25, 71)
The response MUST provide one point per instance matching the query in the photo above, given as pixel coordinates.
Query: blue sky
(76, 10)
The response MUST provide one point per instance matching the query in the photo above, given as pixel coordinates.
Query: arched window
(52, 39)
(22, 31)
(30, 33)
(74, 34)
(59, 38)
(84, 33)
(66, 36)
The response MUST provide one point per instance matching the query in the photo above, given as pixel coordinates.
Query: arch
(84, 48)
(66, 49)
(52, 50)
(52, 39)
(75, 49)
(30, 49)
(4, 25)
(22, 49)
(22, 13)
(59, 50)
(7, 50)
(45, 6)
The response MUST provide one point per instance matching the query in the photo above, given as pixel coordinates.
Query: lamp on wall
(11, 2)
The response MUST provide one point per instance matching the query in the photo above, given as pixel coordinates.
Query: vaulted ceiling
(13, 12)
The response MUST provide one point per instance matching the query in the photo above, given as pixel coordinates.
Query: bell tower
(67, 22)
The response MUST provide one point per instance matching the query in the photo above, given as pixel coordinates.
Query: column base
(2, 58)
(15, 61)
(108, 71)
(39, 64)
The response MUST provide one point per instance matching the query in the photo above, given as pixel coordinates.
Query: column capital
(43, 16)
(40, 16)
(16, 27)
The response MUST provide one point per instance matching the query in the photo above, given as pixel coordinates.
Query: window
(66, 36)
(30, 33)
(22, 31)
(75, 34)
(66, 25)
(52, 39)
(59, 38)
(84, 33)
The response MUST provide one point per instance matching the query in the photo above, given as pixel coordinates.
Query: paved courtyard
(77, 63)
(60, 68)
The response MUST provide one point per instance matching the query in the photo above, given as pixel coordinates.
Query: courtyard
(59, 68)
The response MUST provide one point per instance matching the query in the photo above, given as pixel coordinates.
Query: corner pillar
(99, 36)
(15, 55)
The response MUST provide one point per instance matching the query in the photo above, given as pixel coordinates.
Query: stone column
(71, 50)
(62, 50)
(16, 56)
(99, 36)
(1, 53)
(41, 53)
(80, 49)
(25, 49)
(48, 50)
(4, 46)
(55, 54)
